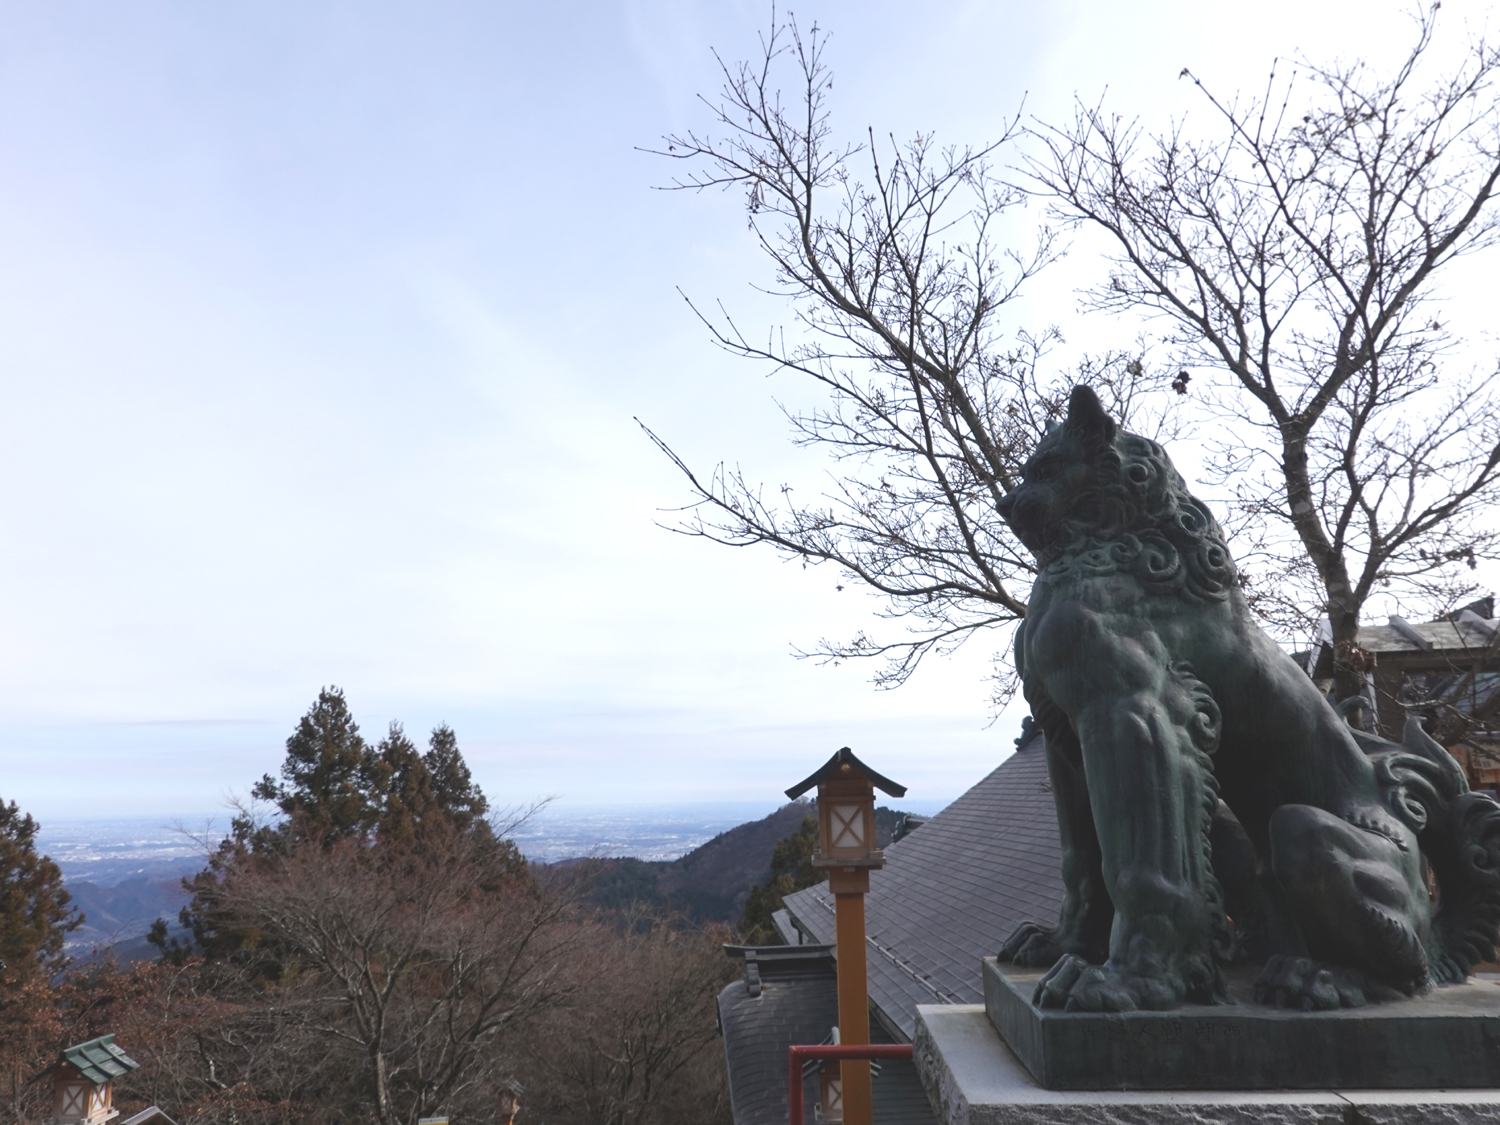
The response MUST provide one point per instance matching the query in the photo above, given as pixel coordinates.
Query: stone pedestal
(1449, 1038)
(972, 1078)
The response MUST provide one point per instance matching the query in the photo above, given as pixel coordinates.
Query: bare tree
(1296, 259)
(417, 960)
(30, 1030)
(897, 281)
(643, 1044)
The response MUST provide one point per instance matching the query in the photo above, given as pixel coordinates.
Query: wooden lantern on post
(83, 1081)
(846, 847)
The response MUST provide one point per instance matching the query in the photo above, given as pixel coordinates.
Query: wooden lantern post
(846, 847)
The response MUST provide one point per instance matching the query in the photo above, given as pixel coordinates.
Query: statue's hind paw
(1297, 982)
(1031, 946)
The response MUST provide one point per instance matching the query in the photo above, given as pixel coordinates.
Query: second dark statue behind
(1200, 776)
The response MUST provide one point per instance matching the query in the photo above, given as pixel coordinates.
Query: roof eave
(835, 767)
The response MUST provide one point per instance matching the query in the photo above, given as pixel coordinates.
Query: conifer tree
(791, 870)
(35, 915)
(404, 801)
(328, 774)
(452, 784)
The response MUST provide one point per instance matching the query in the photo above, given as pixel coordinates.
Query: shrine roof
(1470, 634)
(791, 996)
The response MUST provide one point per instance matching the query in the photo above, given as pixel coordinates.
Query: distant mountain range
(711, 882)
(129, 886)
(116, 918)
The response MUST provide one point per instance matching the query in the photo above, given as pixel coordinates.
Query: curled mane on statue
(1136, 516)
(1200, 776)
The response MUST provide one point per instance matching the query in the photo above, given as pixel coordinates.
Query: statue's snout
(1007, 505)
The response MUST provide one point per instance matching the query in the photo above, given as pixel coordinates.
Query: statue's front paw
(1298, 982)
(1076, 986)
(1031, 946)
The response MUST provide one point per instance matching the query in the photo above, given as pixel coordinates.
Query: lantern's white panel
(75, 1100)
(847, 826)
(833, 1100)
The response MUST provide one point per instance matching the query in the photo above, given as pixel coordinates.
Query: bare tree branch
(1295, 260)
(897, 279)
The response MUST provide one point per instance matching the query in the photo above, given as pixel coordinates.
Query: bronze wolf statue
(1193, 762)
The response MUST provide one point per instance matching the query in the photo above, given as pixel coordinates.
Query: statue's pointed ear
(1086, 416)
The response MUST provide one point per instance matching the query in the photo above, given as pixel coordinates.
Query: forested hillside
(713, 882)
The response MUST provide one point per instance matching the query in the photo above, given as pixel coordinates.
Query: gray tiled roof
(796, 1002)
(898, 1095)
(951, 891)
(785, 927)
(1448, 636)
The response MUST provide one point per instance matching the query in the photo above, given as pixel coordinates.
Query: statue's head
(1088, 482)
(1058, 477)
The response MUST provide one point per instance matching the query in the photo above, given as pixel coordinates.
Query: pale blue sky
(322, 326)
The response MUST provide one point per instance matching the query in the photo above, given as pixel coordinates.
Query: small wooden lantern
(509, 1102)
(846, 813)
(83, 1081)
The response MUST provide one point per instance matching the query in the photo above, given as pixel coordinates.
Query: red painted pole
(796, 1054)
(794, 1086)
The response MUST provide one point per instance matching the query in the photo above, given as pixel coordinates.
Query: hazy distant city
(107, 850)
(124, 872)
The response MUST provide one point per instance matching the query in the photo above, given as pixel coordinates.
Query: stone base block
(972, 1078)
(1448, 1039)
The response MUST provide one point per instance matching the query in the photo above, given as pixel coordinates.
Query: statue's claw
(1053, 990)
(1031, 946)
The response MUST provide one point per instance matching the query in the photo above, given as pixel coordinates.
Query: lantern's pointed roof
(845, 764)
(98, 1060)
